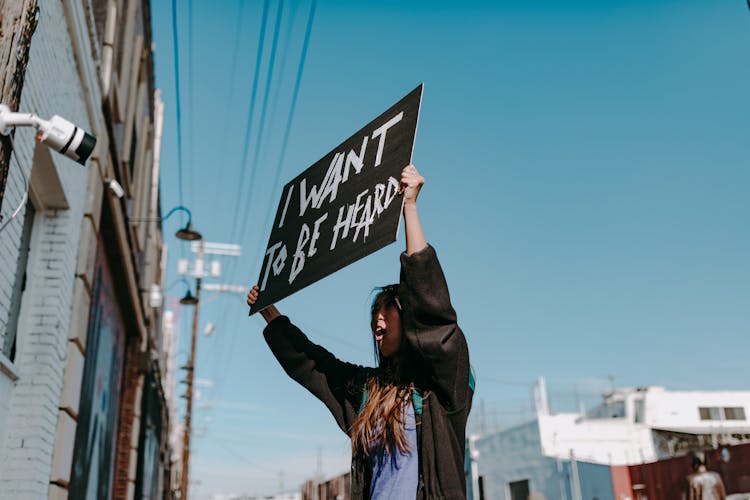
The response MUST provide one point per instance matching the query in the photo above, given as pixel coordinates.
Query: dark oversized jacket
(437, 344)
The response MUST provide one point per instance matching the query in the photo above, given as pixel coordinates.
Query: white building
(571, 455)
(646, 424)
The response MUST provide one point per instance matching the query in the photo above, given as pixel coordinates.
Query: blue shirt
(396, 476)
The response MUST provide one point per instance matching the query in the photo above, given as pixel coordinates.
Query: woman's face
(386, 327)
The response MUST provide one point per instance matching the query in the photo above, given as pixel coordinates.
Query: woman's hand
(252, 296)
(269, 313)
(411, 183)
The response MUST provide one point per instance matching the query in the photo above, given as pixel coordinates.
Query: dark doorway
(519, 490)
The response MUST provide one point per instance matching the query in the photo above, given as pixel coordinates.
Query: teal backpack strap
(472, 381)
(416, 400)
(364, 399)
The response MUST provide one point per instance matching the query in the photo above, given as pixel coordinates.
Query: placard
(344, 207)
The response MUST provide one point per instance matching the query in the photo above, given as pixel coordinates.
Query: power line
(264, 109)
(232, 75)
(245, 153)
(217, 189)
(290, 118)
(227, 446)
(285, 47)
(294, 100)
(250, 113)
(191, 81)
(298, 80)
(295, 92)
(246, 146)
(177, 97)
(261, 123)
(297, 84)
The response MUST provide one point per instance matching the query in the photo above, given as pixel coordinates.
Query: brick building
(82, 401)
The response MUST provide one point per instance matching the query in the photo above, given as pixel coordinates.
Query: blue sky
(587, 178)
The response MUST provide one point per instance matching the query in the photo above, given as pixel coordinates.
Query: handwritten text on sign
(343, 207)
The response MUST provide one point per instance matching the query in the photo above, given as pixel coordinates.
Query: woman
(407, 417)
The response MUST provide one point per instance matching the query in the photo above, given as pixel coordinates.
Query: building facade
(607, 452)
(83, 410)
(335, 488)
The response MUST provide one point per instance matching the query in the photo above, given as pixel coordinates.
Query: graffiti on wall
(93, 456)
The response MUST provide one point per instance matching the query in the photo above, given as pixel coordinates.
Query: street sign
(344, 207)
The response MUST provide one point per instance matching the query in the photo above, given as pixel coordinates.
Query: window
(612, 409)
(19, 284)
(726, 413)
(734, 413)
(709, 413)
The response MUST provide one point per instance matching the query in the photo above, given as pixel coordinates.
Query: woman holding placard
(407, 417)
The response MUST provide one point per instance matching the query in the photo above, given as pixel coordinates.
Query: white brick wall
(51, 86)
(40, 390)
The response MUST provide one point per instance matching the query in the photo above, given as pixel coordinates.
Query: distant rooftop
(641, 424)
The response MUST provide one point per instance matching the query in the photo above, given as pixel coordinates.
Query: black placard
(344, 207)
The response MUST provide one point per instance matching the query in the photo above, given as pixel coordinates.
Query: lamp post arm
(179, 207)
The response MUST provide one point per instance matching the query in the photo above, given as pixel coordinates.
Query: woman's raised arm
(411, 183)
(311, 365)
(430, 324)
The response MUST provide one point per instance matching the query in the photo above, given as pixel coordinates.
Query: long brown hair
(380, 424)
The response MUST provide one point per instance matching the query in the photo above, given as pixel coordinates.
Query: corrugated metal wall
(666, 479)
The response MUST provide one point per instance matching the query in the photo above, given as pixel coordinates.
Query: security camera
(57, 133)
(116, 188)
(65, 138)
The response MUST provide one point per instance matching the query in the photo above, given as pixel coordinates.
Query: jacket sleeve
(431, 329)
(331, 380)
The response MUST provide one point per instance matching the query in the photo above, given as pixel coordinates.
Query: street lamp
(186, 233)
(189, 299)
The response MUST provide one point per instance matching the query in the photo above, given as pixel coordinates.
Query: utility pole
(199, 273)
(18, 20)
(189, 393)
